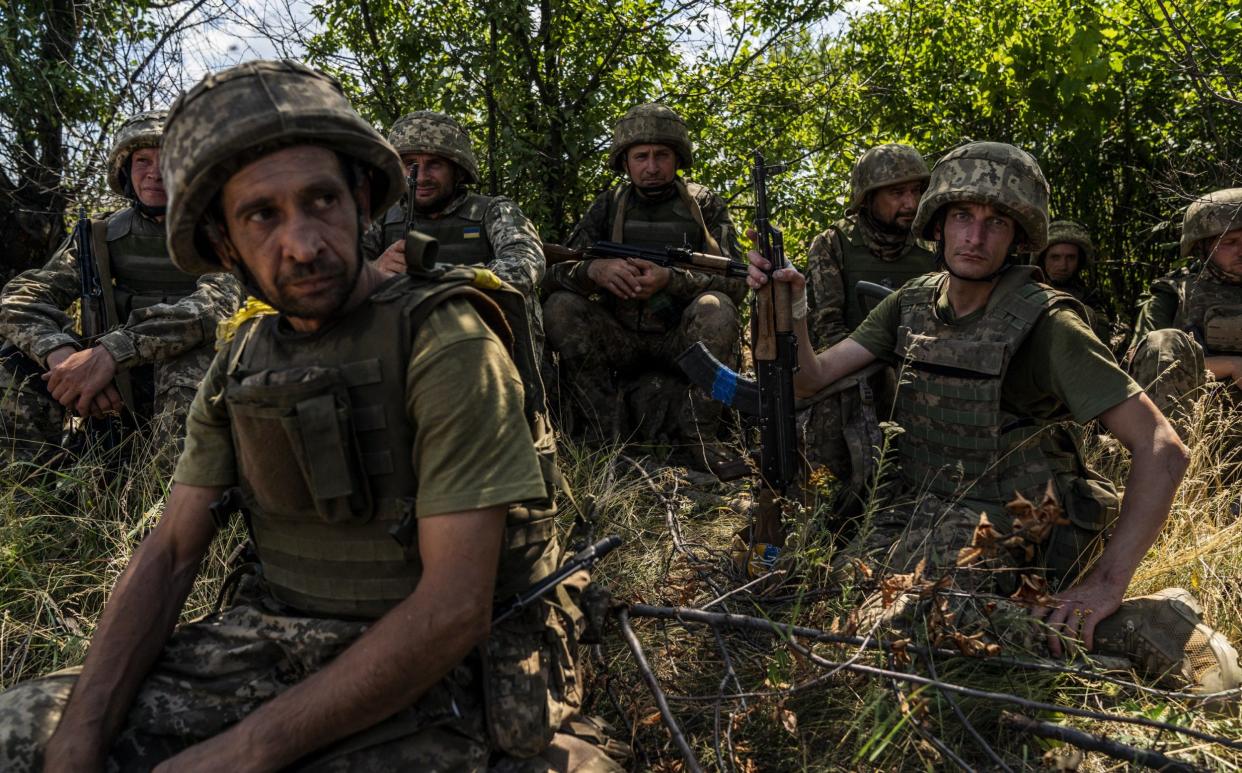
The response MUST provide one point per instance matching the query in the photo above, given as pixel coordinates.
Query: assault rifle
(583, 559)
(669, 257)
(420, 249)
(770, 397)
(107, 432)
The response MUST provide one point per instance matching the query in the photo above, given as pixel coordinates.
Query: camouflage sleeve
(571, 275)
(686, 285)
(825, 288)
(1157, 311)
(373, 241)
(516, 244)
(33, 304)
(167, 329)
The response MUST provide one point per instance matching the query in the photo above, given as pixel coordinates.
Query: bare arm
(406, 652)
(135, 625)
(1159, 462)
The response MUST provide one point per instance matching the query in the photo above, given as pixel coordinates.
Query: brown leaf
(789, 720)
(1033, 592)
(901, 653)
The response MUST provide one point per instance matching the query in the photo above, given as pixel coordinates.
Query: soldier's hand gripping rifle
(106, 432)
(669, 257)
(770, 396)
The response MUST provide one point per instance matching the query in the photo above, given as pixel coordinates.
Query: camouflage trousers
(939, 572)
(217, 670)
(32, 423)
(1168, 364)
(842, 431)
(623, 383)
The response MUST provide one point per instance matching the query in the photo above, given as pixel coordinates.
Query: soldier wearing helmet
(470, 228)
(619, 323)
(163, 320)
(1065, 261)
(993, 364)
(375, 430)
(1189, 324)
(872, 243)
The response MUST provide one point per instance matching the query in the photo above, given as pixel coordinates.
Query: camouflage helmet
(1211, 215)
(144, 130)
(882, 166)
(1069, 232)
(427, 131)
(650, 123)
(216, 127)
(993, 173)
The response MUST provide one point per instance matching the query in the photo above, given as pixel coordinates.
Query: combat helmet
(993, 173)
(144, 130)
(219, 125)
(1069, 232)
(881, 166)
(427, 131)
(1211, 215)
(650, 123)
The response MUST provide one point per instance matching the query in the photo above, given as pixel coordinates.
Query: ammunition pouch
(1222, 329)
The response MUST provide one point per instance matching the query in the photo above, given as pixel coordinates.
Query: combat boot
(1164, 636)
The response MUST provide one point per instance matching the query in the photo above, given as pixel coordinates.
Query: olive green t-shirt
(472, 445)
(1060, 368)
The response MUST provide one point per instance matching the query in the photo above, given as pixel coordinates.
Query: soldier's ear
(218, 236)
(362, 198)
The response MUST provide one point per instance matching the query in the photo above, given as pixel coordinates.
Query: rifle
(669, 257)
(770, 396)
(106, 432)
(583, 559)
(420, 249)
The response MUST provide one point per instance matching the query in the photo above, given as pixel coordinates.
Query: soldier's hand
(616, 275)
(392, 260)
(1082, 608)
(757, 276)
(80, 377)
(651, 278)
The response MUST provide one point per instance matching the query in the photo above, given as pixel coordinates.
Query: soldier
(1064, 261)
(619, 323)
(992, 362)
(1190, 322)
(365, 407)
(471, 229)
(165, 319)
(872, 243)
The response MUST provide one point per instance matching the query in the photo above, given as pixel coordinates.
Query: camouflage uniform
(615, 350)
(299, 425)
(471, 228)
(964, 454)
(1190, 314)
(167, 319)
(857, 248)
(1069, 232)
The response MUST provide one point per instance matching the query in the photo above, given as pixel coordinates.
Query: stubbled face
(437, 178)
(897, 204)
(651, 166)
(1226, 253)
(145, 177)
(976, 238)
(292, 220)
(1061, 262)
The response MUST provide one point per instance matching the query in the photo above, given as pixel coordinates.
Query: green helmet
(217, 126)
(144, 130)
(654, 124)
(1210, 216)
(993, 173)
(427, 131)
(1069, 232)
(882, 166)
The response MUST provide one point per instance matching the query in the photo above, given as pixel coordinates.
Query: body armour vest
(461, 235)
(323, 446)
(1208, 309)
(959, 441)
(143, 274)
(860, 264)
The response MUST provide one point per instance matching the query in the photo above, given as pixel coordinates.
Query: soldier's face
(976, 238)
(293, 221)
(1227, 252)
(897, 204)
(144, 175)
(651, 166)
(437, 178)
(1061, 261)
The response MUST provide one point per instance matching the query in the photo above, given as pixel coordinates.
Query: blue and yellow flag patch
(471, 232)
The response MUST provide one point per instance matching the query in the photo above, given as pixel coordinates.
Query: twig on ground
(966, 723)
(1094, 743)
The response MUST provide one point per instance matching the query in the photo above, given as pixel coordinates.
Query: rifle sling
(103, 264)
